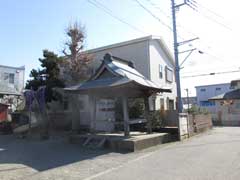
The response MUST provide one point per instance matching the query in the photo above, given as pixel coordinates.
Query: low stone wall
(226, 119)
(199, 123)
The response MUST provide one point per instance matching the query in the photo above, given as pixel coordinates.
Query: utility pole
(177, 67)
(176, 53)
(187, 99)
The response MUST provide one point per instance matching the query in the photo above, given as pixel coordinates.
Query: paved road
(212, 155)
(215, 155)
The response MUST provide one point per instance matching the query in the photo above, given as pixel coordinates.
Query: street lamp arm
(186, 58)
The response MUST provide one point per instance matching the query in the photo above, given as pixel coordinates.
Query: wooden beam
(146, 112)
(125, 117)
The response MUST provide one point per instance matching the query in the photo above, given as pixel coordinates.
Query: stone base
(117, 142)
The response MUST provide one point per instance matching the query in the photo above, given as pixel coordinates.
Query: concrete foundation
(117, 142)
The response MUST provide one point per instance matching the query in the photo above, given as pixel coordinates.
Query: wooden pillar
(125, 117)
(146, 112)
(75, 115)
(93, 107)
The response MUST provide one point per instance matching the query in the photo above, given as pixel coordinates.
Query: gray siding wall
(135, 52)
(211, 91)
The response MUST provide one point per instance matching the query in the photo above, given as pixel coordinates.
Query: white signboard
(183, 125)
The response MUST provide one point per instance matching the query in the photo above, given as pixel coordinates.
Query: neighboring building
(11, 79)
(152, 58)
(235, 84)
(228, 106)
(207, 91)
(191, 100)
(11, 85)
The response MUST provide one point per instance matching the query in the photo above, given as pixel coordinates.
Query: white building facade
(206, 92)
(152, 58)
(11, 79)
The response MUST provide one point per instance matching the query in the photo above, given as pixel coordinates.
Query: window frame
(160, 71)
(11, 78)
(169, 79)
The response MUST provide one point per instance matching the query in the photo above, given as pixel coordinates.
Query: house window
(9, 77)
(153, 104)
(65, 105)
(203, 90)
(218, 89)
(207, 103)
(162, 103)
(169, 75)
(160, 71)
(171, 104)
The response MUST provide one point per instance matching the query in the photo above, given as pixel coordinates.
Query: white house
(11, 79)
(115, 78)
(152, 58)
(207, 91)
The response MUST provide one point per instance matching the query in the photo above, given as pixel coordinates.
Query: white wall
(18, 77)
(158, 57)
(227, 114)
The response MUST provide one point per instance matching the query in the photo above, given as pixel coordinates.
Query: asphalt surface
(212, 155)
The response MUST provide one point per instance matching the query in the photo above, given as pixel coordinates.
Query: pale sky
(28, 27)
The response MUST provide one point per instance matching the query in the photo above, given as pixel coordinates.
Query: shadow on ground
(44, 155)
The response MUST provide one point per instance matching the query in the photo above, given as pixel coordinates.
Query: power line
(168, 16)
(153, 15)
(109, 12)
(158, 8)
(186, 30)
(194, 5)
(208, 9)
(209, 70)
(211, 74)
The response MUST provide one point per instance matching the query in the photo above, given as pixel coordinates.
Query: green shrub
(157, 118)
(136, 108)
(198, 110)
